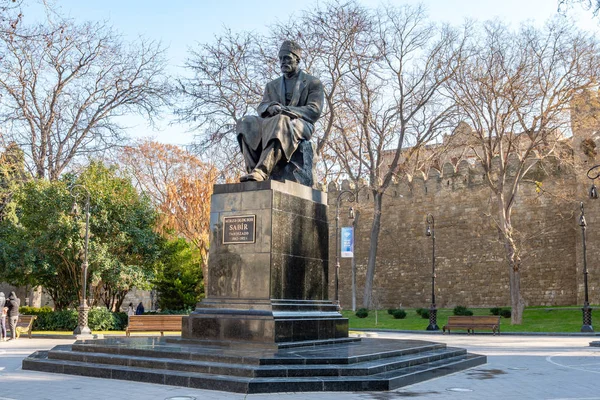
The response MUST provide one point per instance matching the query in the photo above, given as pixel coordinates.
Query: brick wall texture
(471, 267)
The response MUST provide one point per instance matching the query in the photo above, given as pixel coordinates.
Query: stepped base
(267, 322)
(346, 365)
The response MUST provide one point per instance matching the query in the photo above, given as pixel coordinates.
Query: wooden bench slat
(160, 323)
(470, 322)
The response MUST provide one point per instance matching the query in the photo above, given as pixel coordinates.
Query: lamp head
(75, 209)
(593, 192)
(430, 223)
(351, 213)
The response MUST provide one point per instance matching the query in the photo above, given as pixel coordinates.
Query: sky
(182, 24)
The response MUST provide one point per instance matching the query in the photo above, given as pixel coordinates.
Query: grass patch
(535, 319)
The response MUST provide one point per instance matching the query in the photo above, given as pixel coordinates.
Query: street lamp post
(587, 310)
(82, 320)
(430, 231)
(351, 198)
(592, 174)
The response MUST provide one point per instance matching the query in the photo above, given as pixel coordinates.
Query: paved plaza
(519, 367)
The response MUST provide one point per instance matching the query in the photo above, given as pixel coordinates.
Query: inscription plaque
(239, 229)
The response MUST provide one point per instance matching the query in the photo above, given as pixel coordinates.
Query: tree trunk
(516, 301)
(36, 297)
(120, 298)
(375, 228)
(355, 225)
(514, 263)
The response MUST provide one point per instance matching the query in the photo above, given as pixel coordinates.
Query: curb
(574, 334)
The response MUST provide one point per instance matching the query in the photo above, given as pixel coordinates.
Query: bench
(472, 322)
(24, 325)
(149, 323)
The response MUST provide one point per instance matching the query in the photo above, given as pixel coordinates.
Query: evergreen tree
(179, 276)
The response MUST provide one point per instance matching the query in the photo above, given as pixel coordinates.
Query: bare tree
(227, 81)
(63, 89)
(393, 103)
(10, 16)
(593, 5)
(228, 76)
(515, 92)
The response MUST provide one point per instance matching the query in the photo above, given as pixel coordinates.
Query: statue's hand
(274, 109)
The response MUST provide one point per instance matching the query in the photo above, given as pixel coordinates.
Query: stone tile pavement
(519, 367)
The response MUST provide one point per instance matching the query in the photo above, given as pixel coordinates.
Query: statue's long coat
(307, 102)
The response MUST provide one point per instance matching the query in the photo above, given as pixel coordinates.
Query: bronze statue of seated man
(290, 107)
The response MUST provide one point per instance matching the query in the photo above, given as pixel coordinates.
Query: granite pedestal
(268, 268)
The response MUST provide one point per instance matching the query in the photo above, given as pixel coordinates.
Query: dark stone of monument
(300, 169)
(359, 365)
(275, 144)
(268, 267)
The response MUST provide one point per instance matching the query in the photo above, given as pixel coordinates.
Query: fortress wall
(470, 259)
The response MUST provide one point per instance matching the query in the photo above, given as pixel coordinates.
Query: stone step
(279, 345)
(341, 353)
(382, 381)
(364, 368)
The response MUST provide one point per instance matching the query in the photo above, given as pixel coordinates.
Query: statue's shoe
(254, 176)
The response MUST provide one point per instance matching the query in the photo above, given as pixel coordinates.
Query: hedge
(99, 318)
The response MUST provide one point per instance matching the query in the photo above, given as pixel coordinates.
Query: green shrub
(391, 311)
(120, 321)
(399, 314)
(424, 313)
(101, 319)
(179, 276)
(420, 311)
(505, 313)
(462, 310)
(65, 320)
(26, 310)
(495, 310)
(362, 313)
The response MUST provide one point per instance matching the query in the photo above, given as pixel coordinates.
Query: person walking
(3, 312)
(140, 309)
(130, 310)
(13, 304)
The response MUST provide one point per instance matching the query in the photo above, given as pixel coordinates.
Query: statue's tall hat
(289, 46)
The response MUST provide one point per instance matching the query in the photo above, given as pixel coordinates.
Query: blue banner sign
(347, 242)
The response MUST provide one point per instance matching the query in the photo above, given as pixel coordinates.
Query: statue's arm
(270, 98)
(314, 104)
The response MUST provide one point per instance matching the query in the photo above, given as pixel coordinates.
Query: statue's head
(289, 56)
